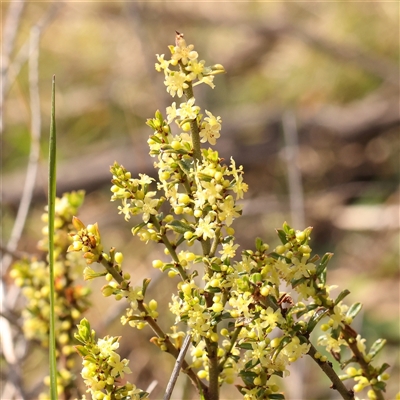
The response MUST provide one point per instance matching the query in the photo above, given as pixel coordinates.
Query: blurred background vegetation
(310, 108)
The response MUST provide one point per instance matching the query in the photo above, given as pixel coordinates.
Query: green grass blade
(51, 207)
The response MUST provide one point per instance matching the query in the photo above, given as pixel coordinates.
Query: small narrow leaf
(81, 350)
(345, 363)
(215, 267)
(167, 266)
(380, 386)
(326, 258)
(341, 296)
(285, 341)
(245, 346)
(297, 282)
(204, 177)
(277, 256)
(156, 139)
(146, 283)
(321, 269)
(383, 368)
(282, 236)
(179, 226)
(276, 396)
(335, 333)
(377, 347)
(354, 310)
(248, 374)
(286, 228)
(312, 323)
(213, 289)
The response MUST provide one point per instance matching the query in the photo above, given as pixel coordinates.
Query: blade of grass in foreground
(51, 211)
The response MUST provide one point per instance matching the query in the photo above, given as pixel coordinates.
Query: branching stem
(326, 367)
(350, 336)
(212, 351)
(158, 331)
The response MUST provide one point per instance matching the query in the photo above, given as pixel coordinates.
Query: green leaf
(156, 139)
(180, 241)
(245, 346)
(286, 228)
(297, 282)
(321, 269)
(379, 386)
(277, 256)
(82, 351)
(312, 323)
(159, 117)
(306, 310)
(383, 368)
(228, 239)
(335, 333)
(90, 358)
(272, 300)
(259, 244)
(284, 341)
(213, 289)
(185, 165)
(160, 216)
(167, 148)
(215, 267)
(137, 228)
(354, 310)
(326, 258)
(251, 364)
(146, 283)
(204, 177)
(248, 376)
(276, 396)
(376, 347)
(344, 364)
(179, 226)
(167, 267)
(341, 296)
(226, 315)
(282, 236)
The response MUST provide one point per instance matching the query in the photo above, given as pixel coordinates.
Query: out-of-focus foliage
(331, 68)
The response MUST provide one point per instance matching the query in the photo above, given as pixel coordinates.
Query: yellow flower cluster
(247, 316)
(103, 368)
(71, 298)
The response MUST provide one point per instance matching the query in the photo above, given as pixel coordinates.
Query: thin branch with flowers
(249, 315)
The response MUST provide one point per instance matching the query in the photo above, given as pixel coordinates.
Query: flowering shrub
(248, 315)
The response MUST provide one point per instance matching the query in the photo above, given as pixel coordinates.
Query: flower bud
(157, 264)
(119, 257)
(153, 305)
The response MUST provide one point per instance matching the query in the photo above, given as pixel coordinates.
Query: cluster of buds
(71, 299)
(87, 240)
(191, 68)
(103, 368)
